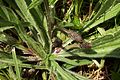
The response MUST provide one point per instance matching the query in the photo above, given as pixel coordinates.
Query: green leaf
(4, 23)
(106, 46)
(7, 60)
(8, 14)
(69, 25)
(79, 77)
(112, 30)
(80, 63)
(12, 4)
(3, 65)
(11, 74)
(17, 67)
(104, 7)
(115, 76)
(76, 22)
(5, 55)
(52, 2)
(5, 28)
(35, 3)
(10, 62)
(4, 13)
(32, 44)
(7, 38)
(3, 77)
(72, 62)
(106, 16)
(64, 74)
(24, 10)
(35, 21)
(101, 31)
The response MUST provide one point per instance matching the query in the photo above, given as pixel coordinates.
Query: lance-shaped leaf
(104, 7)
(106, 46)
(114, 11)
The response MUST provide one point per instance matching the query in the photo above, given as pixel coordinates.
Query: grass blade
(104, 7)
(16, 64)
(35, 46)
(79, 77)
(35, 3)
(62, 72)
(110, 14)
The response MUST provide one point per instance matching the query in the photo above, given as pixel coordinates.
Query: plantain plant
(46, 39)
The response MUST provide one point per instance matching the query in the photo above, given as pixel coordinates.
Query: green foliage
(16, 64)
(106, 16)
(115, 76)
(27, 27)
